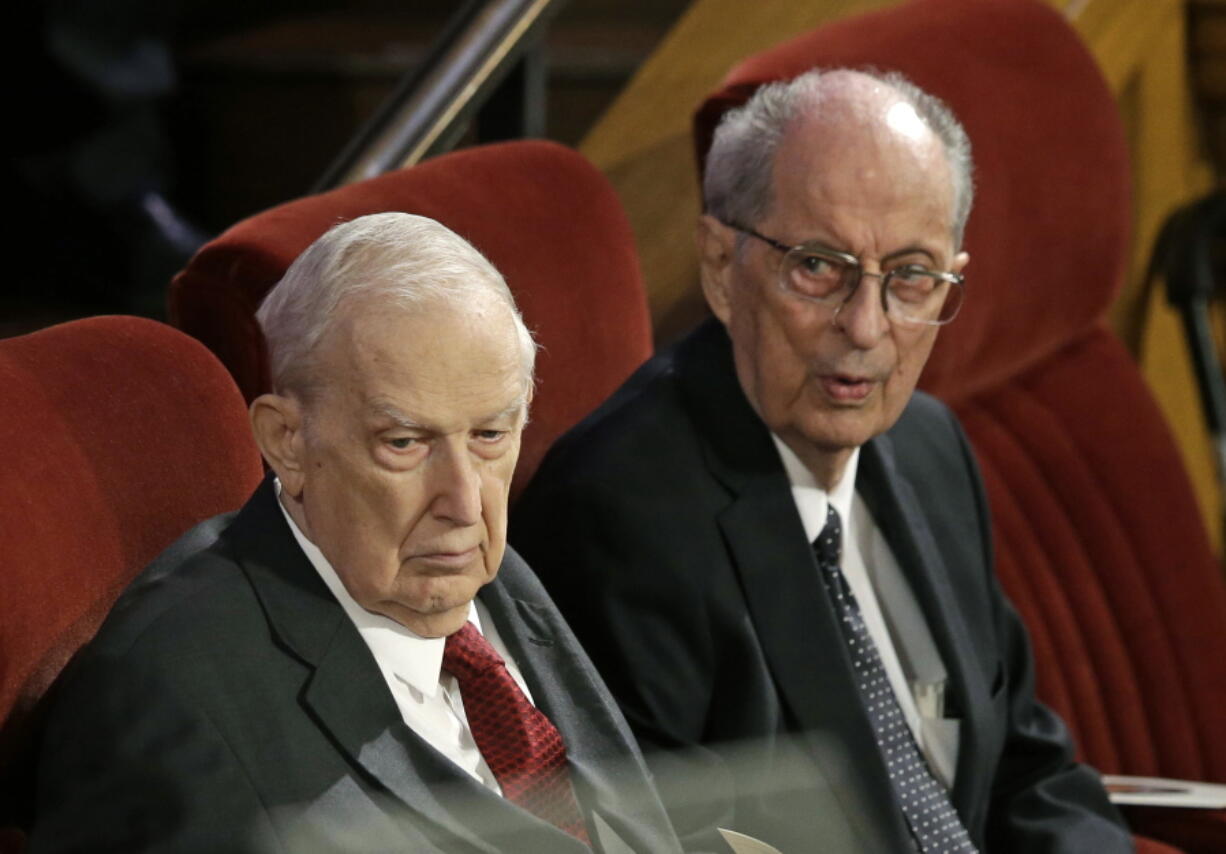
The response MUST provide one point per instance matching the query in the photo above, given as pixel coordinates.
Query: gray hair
(737, 179)
(403, 259)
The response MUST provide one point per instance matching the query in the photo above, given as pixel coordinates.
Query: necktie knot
(829, 543)
(467, 653)
(522, 748)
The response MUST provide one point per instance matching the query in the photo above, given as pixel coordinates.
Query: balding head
(840, 107)
(386, 262)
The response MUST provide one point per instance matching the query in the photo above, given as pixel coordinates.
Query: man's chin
(432, 620)
(840, 443)
(437, 607)
(436, 624)
(842, 428)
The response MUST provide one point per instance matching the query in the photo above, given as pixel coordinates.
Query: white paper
(1164, 792)
(742, 844)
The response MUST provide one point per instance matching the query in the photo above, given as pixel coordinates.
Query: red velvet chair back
(540, 212)
(117, 435)
(1099, 541)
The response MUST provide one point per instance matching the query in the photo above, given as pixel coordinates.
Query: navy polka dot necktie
(934, 824)
(523, 749)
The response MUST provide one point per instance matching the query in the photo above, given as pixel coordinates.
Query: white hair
(737, 178)
(404, 260)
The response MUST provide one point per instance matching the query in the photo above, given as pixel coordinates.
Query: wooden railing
(643, 144)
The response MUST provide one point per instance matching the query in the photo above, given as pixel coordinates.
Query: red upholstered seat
(117, 435)
(1098, 537)
(540, 212)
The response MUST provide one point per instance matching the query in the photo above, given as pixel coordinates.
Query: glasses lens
(921, 296)
(815, 275)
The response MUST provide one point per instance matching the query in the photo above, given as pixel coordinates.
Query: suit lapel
(375, 737)
(897, 512)
(789, 607)
(807, 655)
(304, 616)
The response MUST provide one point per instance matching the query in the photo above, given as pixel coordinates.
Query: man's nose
(456, 484)
(862, 315)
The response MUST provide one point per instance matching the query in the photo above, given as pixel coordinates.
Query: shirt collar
(811, 499)
(415, 659)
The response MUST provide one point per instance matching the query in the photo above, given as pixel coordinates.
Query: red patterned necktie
(519, 744)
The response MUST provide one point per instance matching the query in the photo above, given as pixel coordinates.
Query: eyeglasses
(911, 293)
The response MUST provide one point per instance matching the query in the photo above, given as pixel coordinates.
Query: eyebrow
(519, 404)
(910, 250)
(393, 413)
(897, 253)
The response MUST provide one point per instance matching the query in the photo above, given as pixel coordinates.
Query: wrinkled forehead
(865, 117)
(877, 154)
(446, 347)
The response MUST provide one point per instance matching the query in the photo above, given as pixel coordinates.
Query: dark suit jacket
(665, 529)
(228, 704)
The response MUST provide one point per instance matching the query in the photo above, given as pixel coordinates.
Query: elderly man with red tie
(356, 662)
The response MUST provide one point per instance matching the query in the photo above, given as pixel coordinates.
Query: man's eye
(489, 436)
(815, 265)
(402, 443)
(913, 274)
(915, 285)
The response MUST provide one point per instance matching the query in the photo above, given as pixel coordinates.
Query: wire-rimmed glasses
(910, 293)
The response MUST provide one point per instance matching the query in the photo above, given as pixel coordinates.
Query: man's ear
(960, 262)
(277, 422)
(716, 254)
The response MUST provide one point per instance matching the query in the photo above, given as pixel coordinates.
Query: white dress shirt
(869, 566)
(428, 697)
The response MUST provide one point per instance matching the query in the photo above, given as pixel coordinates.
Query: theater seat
(540, 212)
(1099, 541)
(117, 435)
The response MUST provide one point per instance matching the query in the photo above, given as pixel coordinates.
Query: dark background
(221, 109)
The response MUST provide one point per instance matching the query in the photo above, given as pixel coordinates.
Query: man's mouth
(846, 388)
(449, 559)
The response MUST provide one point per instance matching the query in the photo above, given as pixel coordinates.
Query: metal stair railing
(487, 64)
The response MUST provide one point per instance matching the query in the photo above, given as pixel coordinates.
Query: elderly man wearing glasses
(776, 550)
